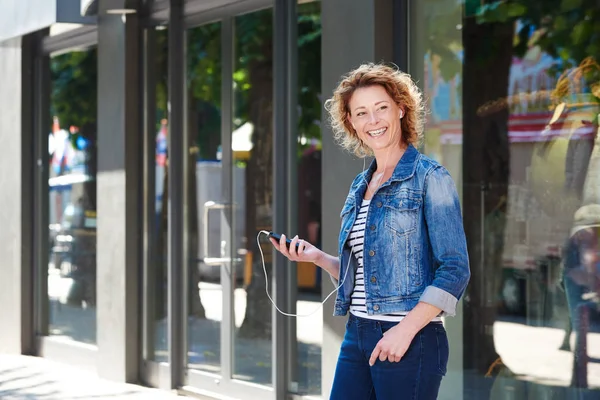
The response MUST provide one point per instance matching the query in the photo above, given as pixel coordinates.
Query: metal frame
(177, 259)
(149, 252)
(28, 156)
(41, 207)
(401, 10)
(285, 149)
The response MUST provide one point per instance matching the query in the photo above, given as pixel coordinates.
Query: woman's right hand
(305, 252)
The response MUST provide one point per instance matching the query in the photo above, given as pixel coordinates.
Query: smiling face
(376, 118)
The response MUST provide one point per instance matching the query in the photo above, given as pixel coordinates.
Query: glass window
(72, 195)
(206, 230)
(514, 99)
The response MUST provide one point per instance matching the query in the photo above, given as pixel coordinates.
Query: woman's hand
(397, 340)
(393, 344)
(305, 252)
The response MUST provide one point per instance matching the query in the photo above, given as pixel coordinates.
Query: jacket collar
(405, 169)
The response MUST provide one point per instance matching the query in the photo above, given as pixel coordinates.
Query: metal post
(401, 34)
(284, 188)
(291, 131)
(176, 169)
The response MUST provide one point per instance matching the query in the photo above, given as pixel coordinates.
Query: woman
(405, 213)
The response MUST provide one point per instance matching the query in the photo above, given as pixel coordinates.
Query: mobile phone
(277, 237)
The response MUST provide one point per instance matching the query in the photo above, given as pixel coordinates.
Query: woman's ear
(349, 118)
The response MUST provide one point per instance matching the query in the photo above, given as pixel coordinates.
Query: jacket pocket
(402, 212)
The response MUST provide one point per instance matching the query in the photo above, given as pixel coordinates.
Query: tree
(73, 102)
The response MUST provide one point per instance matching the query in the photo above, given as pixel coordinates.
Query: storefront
(147, 143)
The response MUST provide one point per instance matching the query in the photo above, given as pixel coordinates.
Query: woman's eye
(360, 114)
(383, 108)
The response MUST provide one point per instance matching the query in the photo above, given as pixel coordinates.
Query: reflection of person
(581, 277)
(405, 213)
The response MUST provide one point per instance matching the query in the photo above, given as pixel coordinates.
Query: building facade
(148, 145)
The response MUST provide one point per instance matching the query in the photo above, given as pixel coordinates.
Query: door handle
(208, 206)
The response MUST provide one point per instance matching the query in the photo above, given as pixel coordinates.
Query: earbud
(401, 114)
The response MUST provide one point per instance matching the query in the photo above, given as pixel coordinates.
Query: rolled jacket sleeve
(443, 219)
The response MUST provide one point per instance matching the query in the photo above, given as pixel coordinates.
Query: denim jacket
(414, 245)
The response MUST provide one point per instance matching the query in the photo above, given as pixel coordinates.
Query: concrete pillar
(118, 197)
(354, 32)
(16, 129)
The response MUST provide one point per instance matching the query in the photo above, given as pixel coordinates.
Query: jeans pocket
(443, 349)
(385, 326)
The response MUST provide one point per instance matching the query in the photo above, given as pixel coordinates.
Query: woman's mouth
(377, 132)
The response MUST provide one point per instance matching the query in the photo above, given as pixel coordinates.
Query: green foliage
(443, 37)
(309, 69)
(74, 74)
(74, 92)
(571, 28)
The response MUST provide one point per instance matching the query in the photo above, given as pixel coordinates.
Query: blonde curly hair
(399, 86)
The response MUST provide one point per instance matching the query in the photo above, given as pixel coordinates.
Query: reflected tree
(73, 100)
(570, 33)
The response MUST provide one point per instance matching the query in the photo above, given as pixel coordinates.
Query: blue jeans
(416, 377)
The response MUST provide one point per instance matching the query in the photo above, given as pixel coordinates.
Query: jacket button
(373, 279)
(371, 253)
(379, 204)
(372, 227)
(375, 307)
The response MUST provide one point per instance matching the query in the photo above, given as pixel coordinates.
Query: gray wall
(15, 198)
(19, 17)
(350, 37)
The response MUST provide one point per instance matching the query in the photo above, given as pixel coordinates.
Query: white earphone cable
(267, 281)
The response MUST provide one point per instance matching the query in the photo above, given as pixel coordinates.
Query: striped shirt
(356, 243)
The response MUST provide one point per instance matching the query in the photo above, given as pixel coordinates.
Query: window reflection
(513, 89)
(72, 196)
(253, 115)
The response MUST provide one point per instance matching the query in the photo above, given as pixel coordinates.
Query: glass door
(229, 193)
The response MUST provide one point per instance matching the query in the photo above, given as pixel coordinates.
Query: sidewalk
(33, 378)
